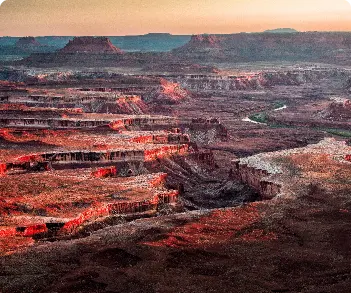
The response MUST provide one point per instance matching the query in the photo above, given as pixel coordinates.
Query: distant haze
(132, 17)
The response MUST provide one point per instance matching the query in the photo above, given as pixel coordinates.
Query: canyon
(212, 167)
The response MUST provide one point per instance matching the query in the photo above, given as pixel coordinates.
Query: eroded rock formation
(92, 45)
(252, 81)
(333, 47)
(277, 172)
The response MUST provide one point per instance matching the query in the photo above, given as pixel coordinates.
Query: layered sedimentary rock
(282, 172)
(119, 93)
(118, 182)
(57, 149)
(92, 45)
(113, 154)
(58, 119)
(326, 47)
(331, 47)
(48, 213)
(111, 145)
(47, 161)
(258, 177)
(152, 42)
(253, 81)
(306, 240)
(89, 102)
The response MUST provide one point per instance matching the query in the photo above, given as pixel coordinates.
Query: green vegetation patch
(278, 104)
(339, 132)
(260, 117)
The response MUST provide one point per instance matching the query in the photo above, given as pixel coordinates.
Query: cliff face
(286, 172)
(90, 45)
(203, 41)
(250, 81)
(312, 46)
(258, 179)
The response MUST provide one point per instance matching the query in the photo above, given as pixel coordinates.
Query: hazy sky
(125, 17)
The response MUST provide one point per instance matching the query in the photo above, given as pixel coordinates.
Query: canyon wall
(88, 103)
(85, 122)
(258, 179)
(252, 81)
(46, 161)
(159, 195)
(333, 47)
(118, 208)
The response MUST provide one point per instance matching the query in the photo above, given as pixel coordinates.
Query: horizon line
(171, 34)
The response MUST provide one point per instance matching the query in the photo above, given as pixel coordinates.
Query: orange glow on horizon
(133, 17)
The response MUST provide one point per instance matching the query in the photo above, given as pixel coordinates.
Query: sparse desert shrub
(278, 104)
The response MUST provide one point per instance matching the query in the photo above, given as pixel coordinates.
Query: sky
(134, 17)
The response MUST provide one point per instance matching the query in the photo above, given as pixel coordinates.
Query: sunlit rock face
(285, 172)
(90, 45)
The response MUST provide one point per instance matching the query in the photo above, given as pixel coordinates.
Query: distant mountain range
(282, 44)
(153, 42)
(328, 47)
(281, 31)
